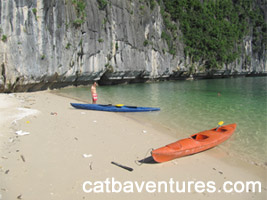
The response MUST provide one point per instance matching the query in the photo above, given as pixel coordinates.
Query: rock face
(46, 44)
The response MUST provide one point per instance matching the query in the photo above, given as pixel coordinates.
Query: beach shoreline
(66, 147)
(166, 130)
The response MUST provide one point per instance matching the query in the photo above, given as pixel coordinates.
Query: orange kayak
(195, 143)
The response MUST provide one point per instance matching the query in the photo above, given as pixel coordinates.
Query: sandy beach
(49, 150)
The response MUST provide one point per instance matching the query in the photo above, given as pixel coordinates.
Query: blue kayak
(113, 108)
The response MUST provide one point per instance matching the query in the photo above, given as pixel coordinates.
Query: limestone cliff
(53, 43)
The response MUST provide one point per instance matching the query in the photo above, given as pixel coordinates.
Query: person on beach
(93, 93)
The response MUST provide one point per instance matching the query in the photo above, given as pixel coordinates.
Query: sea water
(188, 107)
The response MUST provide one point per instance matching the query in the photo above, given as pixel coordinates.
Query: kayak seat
(199, 137)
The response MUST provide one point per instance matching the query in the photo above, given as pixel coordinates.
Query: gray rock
(45, 48)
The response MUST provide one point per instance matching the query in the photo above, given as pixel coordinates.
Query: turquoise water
(188, 107)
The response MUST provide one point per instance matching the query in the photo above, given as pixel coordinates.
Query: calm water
(188, 107)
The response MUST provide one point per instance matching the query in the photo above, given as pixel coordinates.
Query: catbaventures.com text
(111, 185)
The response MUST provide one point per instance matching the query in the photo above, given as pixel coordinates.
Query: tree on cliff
(213, 30)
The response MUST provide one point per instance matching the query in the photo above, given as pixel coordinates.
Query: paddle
(122, 166)
(219, 125)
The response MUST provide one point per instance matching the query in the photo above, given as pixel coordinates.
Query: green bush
(152, 4)
(80, 6)
(4, 38)
(146, 42)
(102, 4)
(78, 22)
(68, 46)
(117, 46)
(34, 10)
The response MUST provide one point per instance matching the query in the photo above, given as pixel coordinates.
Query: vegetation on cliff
(80, 12)
(213, 30)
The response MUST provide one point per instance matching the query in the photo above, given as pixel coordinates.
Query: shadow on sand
(148, 160)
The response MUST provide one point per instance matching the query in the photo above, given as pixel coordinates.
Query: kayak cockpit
(199, 137)
(220, 129)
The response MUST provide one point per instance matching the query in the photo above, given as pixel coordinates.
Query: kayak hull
(113, 108)
(194, 144)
